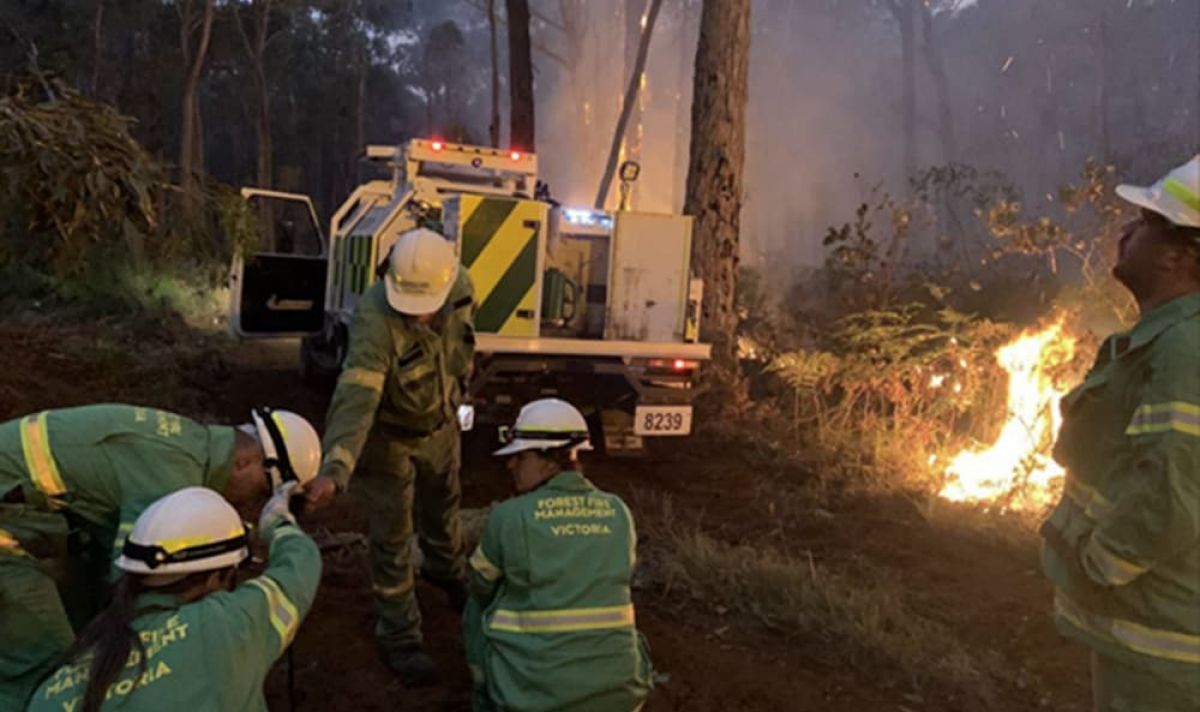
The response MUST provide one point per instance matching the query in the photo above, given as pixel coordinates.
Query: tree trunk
(97, 47)
(188, 138)
(715, 172)
(627, 106)
(904, 11)
(1103, 98)
(683, 74)
(632, 135)
(494, 125)
(360, 117)
(520, 71)
(937, 68)
(256, 51)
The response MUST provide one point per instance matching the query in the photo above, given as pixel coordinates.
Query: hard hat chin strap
(275, 457)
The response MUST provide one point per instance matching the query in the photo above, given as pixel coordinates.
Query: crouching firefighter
(179, 634)
(393, 423)
(550, 622)
(72, 483)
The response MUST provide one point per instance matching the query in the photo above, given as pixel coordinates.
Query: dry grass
(859, 612)
(1016, 531)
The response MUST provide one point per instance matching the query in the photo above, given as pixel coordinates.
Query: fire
(1018, 465)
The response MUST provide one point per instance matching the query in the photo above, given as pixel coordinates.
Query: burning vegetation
(1016, 471)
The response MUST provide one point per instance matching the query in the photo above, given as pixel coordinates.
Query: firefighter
(394, 422)
(550, 622)
(1123, 545)
(73, 481)
(178, 634)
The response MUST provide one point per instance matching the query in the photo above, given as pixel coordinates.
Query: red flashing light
(515, 155)
(437, 145)
(678, 365)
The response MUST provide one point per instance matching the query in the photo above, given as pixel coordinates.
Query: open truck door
(280, 290)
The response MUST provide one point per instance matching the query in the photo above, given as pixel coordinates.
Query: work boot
(414, 666)
(455, 590)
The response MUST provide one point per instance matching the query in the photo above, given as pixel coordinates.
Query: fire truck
(597, 307)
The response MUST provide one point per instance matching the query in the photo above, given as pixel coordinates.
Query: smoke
(1034, 89)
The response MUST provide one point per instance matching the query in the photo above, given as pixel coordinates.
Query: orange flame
(1018, 467)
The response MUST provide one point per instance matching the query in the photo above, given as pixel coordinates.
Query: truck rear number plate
(652, 420)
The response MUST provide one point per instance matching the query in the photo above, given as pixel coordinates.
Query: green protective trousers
(1118, 686)
(36, 629)
(401, 480)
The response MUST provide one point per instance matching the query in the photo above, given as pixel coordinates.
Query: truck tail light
(677, 365)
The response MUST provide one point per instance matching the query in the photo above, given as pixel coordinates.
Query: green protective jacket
(1123, 545)
(402, 377)
(211, 654)
(551, 579)
(34, 628)
(103, 464)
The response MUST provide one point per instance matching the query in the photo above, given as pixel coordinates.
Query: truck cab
(597, 307)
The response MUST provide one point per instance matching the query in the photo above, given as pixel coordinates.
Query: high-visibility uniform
(1123, 545)
(213, 653)
(393, 421)
(91, 470)
(550, 624)
(34, 627)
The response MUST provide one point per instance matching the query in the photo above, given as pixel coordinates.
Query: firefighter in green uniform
(550, 623)
(394, 421)
(178, 635)
(73, 481)
(1123, 545)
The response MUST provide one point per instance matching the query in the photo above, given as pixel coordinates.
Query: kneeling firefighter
(72, 482)
(178, 634)
(393, 423)
(550, 622)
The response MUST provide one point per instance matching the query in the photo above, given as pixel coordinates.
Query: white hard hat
(192, 529)
(291, 446)
(1176, 196)
(422, 271)
(546, 424)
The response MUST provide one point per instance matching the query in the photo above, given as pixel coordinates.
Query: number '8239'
(662, 422)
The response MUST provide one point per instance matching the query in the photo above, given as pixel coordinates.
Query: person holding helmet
(73, 481)
(1123, 545)
(393, 420)
(178, 633)
(550, 623)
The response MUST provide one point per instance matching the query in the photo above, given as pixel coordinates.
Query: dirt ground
(990, 594)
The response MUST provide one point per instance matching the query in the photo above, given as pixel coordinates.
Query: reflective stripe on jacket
(104, 464)
(1123, 545)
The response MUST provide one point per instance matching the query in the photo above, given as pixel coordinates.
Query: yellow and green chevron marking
(499, 238)
(359, 262)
